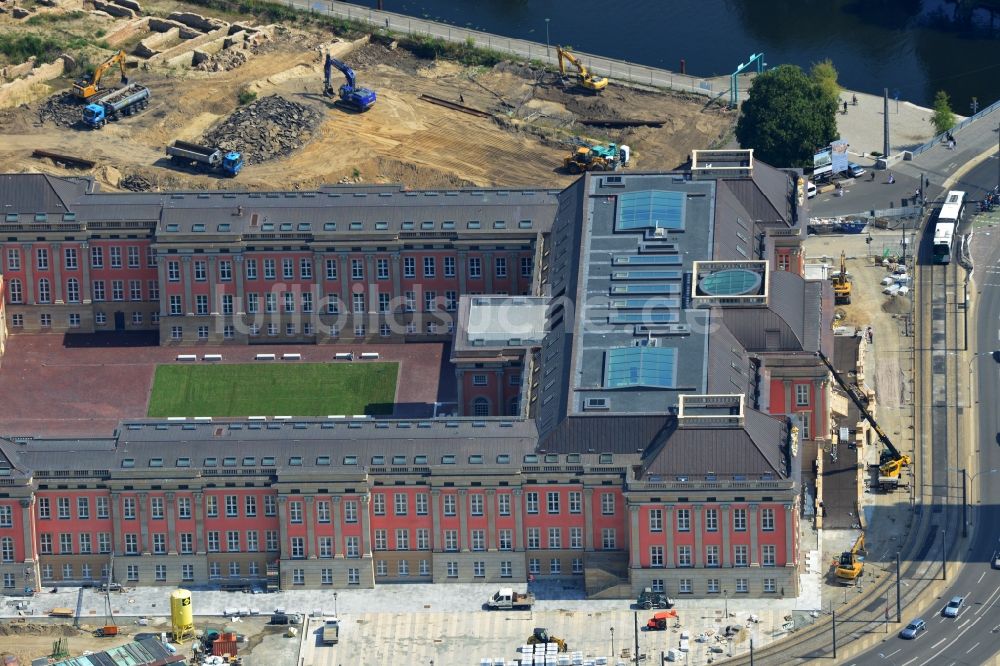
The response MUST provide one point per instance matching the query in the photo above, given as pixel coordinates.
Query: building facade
(636, 359)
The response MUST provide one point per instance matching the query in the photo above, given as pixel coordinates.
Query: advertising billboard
(822, 162)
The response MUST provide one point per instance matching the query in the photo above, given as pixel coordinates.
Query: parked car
(913, 629)
(995, 560)
(855, 170)
(953, 607)
(810, 189)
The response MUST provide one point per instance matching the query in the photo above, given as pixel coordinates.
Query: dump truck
(205, 158)
(507, 599)
(121, 102)
(331, 631)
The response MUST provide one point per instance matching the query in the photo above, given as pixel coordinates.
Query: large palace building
(637, 365)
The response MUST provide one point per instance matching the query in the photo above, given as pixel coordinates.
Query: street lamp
(612, 628)
(546, 39)
(725, 593)
(335, 613)
(966, 481)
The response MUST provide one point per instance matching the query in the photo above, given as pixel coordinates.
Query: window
(534, 538)
(358, 301)
(476, 504)
(14, 292)
(357, 269)
(430, 268)
(97, 258)
(104, 542)
(132, 572)
(271, 541)
(128, 508)
(62, 504)
(451, 539)
(173, 271)
(449, 505)
(150, 257)
(506, 569)
(269, 269)
(801, 395)
(683, 556)
(118, 290)
(409, 267)
(381, 540)
(298, 548)
(505, 540)
(451, 301)
(711, 520)
(531, 502)
(352, 547)
(103, 508)
(298, 576)
(421, 502)
(740, 556)
(555, 537)
(156, 508)
(770, 585)
(7, 516)
(251, 269)
(607, 504)
(212, 506)
(69, 255)
(449, 266)
(684, 586)
(322, 511)
(8, 580)
(253, 542)
(711, 556)
(13, 259)
(740, 520)
(74, 320)
(656, 520)
(7, 549)
(382, 269)
(17, 320)
(501, 266)
(430, 298)
(526, 267)
(656, 556)
(200, 271)
(608, 540)
(131, 544)
(72, 290)
(478, 539)
(159, 543)
(287, 269)
(423, 539)
(183, 507)
(480, 407)
(768, 558)
(805, 419)
(187, 543)
(135, 290)
(44, 295)
(552, 503)
(350, 511)
(42, 259)
(683, 520)
(452, 569)
(99, 294)
(201, 304)
(742, 584)
(116, 256)
(213, 542)
(305, 268)
(45, 544)
(475, 268)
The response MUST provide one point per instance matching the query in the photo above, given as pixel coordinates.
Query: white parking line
(939, 642)
(972, 648)
(981, 578)
(892, 653)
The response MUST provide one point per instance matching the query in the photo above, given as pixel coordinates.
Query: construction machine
(842, 283)
(852, 562)
(597, 158)
(85, 89)
(891, 460)
(351, 96)
(584, 77)
(541, 635)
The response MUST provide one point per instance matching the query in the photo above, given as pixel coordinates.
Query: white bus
(948, 220)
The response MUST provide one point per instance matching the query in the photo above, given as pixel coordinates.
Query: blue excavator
(351, 95)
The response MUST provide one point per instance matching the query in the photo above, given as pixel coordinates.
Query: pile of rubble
(269, 128)
(223, 61)
(63, 109)
(135, 183)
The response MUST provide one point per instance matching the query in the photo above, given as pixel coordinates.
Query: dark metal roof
(31, 193)
(145, 652)
(607, 433)
(790, 322)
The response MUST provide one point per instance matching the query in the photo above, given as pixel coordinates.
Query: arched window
(480, 407)
(14, 293)
(72, 290)
(44, 296)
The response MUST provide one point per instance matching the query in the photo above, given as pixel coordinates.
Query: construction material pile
(135, 183)
(265, 129)
(63, 109)
(223, 61)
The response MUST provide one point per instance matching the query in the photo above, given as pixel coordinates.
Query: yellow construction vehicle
(851, 563)
(85, 89)
(583, 75)
(842, 283)
(541, 635)
(891, 460)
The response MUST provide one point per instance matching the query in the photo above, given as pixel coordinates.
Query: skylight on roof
(652, 209)
(649, 367)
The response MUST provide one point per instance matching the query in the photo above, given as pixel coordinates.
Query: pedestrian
(873, 174)
(461, 98)
(854, 100)
(891, 179)
(845, 106)
(951, 144)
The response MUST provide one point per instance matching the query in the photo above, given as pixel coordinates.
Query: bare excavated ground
(403, 139)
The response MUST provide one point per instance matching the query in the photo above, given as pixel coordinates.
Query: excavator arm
(85, 89)
(331, 64)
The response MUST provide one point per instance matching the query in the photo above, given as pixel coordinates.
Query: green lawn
(269, 389)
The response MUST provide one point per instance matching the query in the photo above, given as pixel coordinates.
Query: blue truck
(120, 102)
(205, 158)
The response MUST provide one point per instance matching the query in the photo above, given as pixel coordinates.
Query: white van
(810, 189)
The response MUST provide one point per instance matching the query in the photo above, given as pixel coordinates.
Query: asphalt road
(973, 637)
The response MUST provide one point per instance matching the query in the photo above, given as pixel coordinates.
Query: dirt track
(402, 139)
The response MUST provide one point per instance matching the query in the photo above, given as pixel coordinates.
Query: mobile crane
(851, 563)
(583, 75)
(842, 283)
(891, 461)
(85, 89)
(351, 96)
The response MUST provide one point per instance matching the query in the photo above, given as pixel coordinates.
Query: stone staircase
(606, 575)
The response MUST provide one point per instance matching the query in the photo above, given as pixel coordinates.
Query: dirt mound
(377, 53)
(266, 129)
(30, 629)
(897, 305)
(63, 109)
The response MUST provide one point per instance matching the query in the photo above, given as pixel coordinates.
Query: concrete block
(196, 21)
(11, 72)
(113, 9)
(131, 4)
(20, 12)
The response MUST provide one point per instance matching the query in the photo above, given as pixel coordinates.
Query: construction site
(239, 84)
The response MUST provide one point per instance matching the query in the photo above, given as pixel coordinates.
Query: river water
(912, 47)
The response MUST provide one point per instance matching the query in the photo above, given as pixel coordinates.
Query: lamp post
(725, 594)
(612, 642)
(546, 39)
(335, 605)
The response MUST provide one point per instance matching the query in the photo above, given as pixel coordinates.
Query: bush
(20, 47)
(467, 53)
(41, 19)
(246, 97)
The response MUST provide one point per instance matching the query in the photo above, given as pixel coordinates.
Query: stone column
(491, 519)
(214, 307)
(310, 518)
(283, 526)
(366, 528)
(668, 529)
(84, 263)
(436, 537)
(116, 523)
(29, 273)
(753, 525)
(198, 499)
(344, 275)
(501, 407)
(57, 285)
(396, 273)
(588, 519)
(142, 499)
(171, 524)
(187, 277)
(27, 520)
(463, 269)
(789, 405)
(463, 520)
(791, 527)
(239, 307)
(724, 526)
(338, 528)
(518, 519)
(488, 270)
(634, 555)
(699, 548)
(161, 274)
(460, 380)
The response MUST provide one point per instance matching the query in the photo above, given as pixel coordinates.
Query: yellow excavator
(85, 89)
(583, 75)
(542, 635)
(842, 283)
(852, 562)
(891, 460)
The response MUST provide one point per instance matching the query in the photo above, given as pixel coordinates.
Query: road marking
(981, 578)
(892, 653)
(907, 663)
(972, 648)
(986, 602)
(939, 642)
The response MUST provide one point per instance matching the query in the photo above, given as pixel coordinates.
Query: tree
(824, 74)
(943, 118)
(786, 118)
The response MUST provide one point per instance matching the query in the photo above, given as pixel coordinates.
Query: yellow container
(181, 615)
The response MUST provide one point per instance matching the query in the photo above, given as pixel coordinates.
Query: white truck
(507, 599)
(331, 631)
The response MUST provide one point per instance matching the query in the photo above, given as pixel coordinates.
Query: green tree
(943, 118)
(786, 118)
(824, 74)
